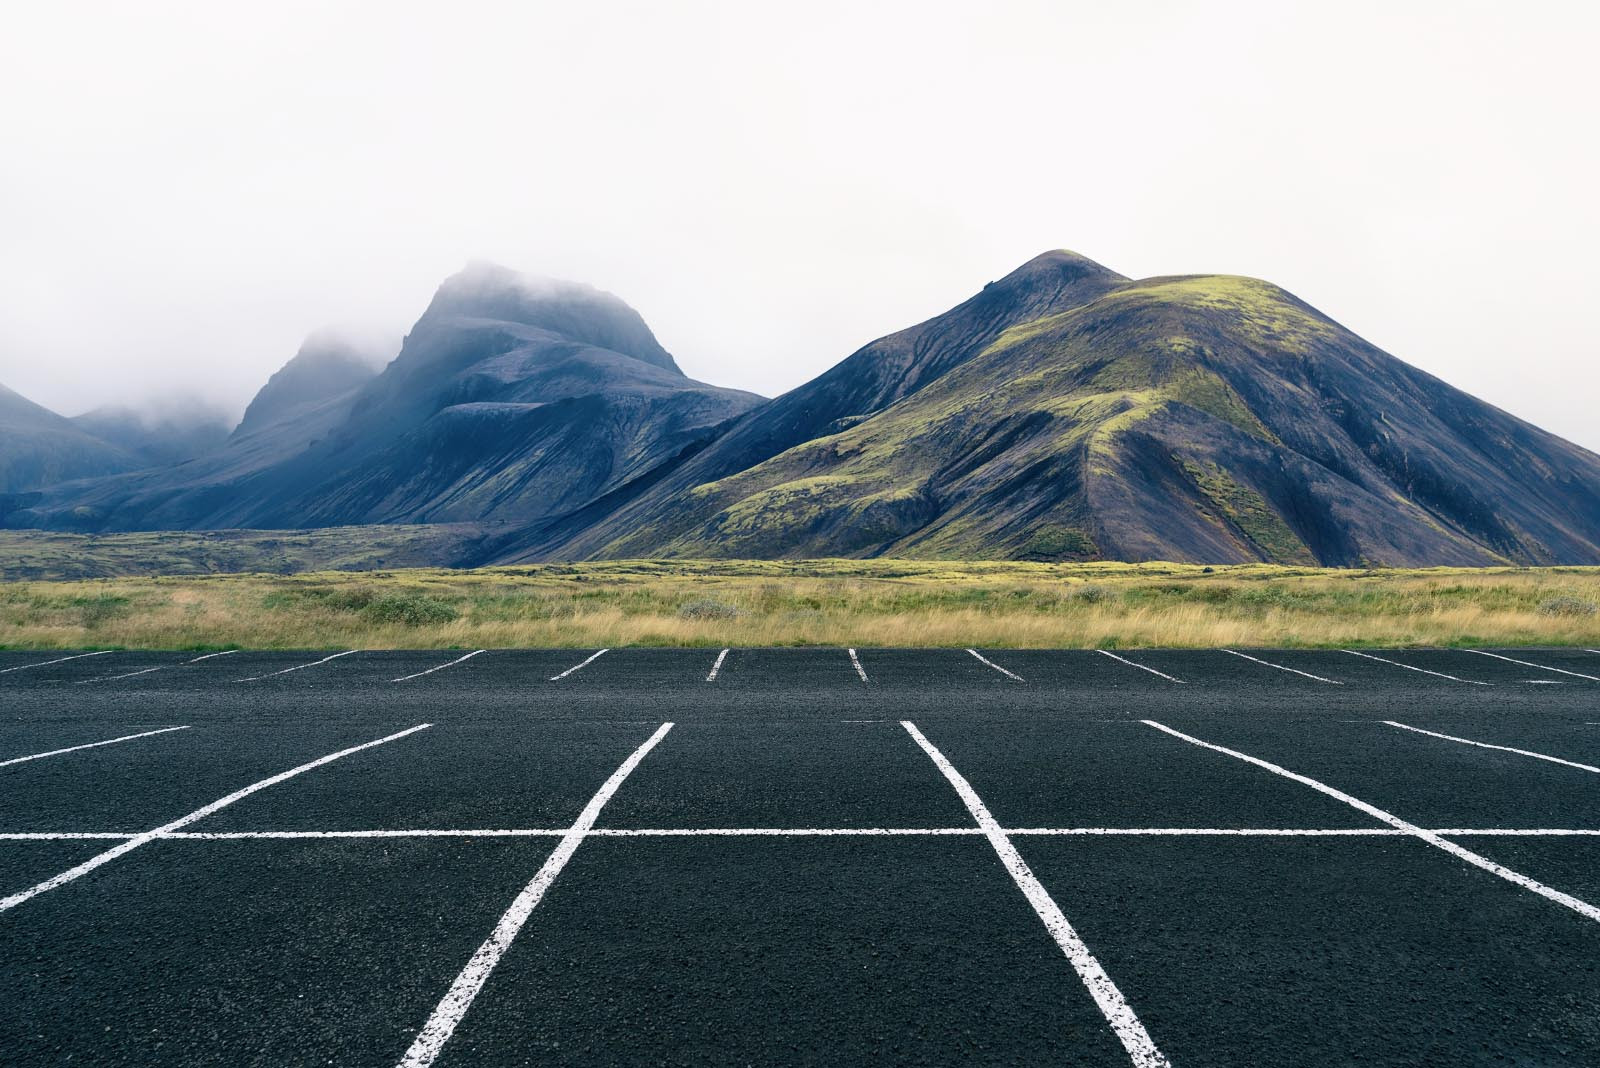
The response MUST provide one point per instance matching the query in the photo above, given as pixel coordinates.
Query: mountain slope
(511, 399)
(1207, 419)
(40, 448)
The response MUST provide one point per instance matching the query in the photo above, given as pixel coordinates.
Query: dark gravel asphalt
(897, 948)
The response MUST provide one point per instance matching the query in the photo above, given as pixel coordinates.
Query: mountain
(511, 400)
(1063, 412)
(1066, 412)
(176, 433)
(40, 448)
(326, 366)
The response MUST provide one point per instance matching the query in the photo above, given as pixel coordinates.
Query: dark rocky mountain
(327, 366)
(1066, 412)
(1063, 412)
(40, 448)
(511, 400)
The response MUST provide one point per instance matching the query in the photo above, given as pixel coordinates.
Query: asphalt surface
(908, 941)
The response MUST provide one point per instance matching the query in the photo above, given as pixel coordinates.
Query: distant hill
(168, 436)
(1064, 412)
(40, 448)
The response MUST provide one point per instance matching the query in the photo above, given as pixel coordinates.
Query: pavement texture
(1323, 859)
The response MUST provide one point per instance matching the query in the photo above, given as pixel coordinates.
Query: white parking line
(985, 660)
(66, 836)
(299, 667)
(450, 1011)
(1408, 667)
(161, 667)
(1141, 667)
(441, 667)
(1537, 667)
(47, 663)
(717, 666)
(124, 675)
(854, 659)
(89, 745)
(579, 667)
(1578, 905)
(13, 900)
(1502, 748)
(1280, 667)
(1118, 1013)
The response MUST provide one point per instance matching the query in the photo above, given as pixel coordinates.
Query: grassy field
(53, 555)
(830, 602)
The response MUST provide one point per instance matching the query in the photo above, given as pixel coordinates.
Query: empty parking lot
(801, 856)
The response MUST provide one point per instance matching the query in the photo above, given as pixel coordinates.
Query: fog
(187, 191)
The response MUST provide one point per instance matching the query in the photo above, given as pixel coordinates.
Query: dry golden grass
(829, 602)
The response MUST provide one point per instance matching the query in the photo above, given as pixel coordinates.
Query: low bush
(1567, 606)
(706, 609)
(409, 609)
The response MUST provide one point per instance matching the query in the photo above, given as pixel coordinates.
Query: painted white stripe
(47, 663)
(208, 656)
(1537, 667)
(89, 745)
(1135, 1039)
(1578, 905)
(99, 859)
(299, 667)
(856, 660)
(1141, 667)
(997, 667)
(1408, 667)
(717, 666)
(441, 667)
(65, 836)
(1502, 748)
(1521, 832)
(579, 667)
(812, 832)
(124, 675)
(1280, 667)
(458, 999)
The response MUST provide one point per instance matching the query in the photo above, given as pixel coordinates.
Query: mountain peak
(575, 310)
(327, 365)
(1060, 265)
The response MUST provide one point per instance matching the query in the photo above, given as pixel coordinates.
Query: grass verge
(879, 603)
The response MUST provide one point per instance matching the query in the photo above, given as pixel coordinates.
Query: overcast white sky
(186, 190)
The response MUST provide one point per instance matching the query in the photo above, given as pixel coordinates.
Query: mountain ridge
(1062, 412)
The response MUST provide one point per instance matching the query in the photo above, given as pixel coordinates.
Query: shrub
(409, 609)
(708, 610)
(1093, 594)
(93, 611)
(1567, 606)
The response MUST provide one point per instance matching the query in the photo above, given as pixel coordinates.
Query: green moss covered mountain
(1064, 412)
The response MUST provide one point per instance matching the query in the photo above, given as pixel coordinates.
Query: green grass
(818, 602)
